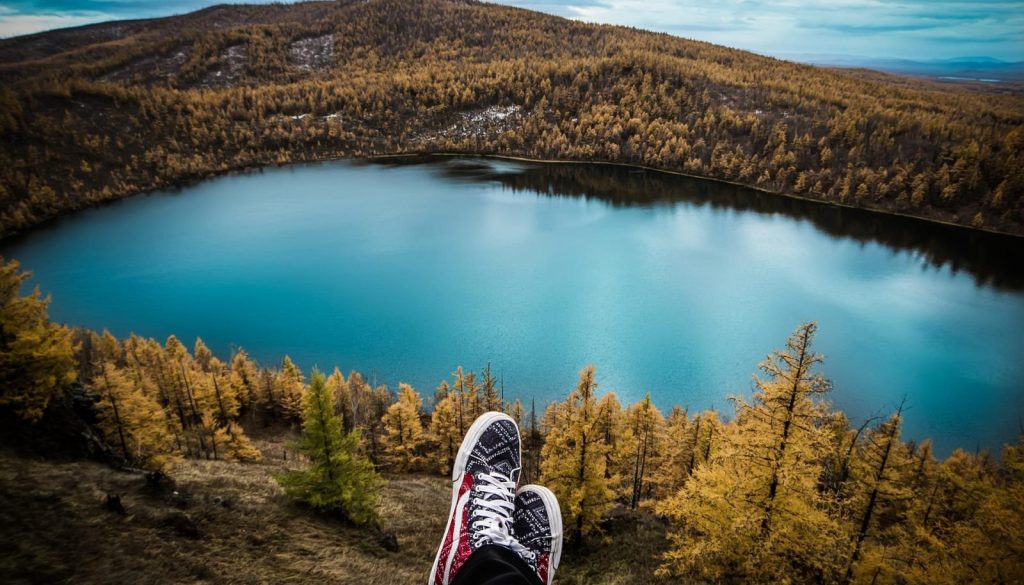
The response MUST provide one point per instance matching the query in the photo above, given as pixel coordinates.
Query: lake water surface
(670, 285)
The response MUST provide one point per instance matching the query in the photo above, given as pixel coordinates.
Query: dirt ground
(225, 522)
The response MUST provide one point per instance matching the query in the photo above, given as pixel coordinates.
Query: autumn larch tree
(986, 547)
(466, 391)
(515, 410)
(342, 400)
(573, 459)
(610, 424)
(289, 386)
(641, 442)
(533, 442)
(132, 422)
(490, 400)
(444, 427)
(36, 356)
(403, 430)
(753, 512)
(235, 444)
(880, 472)
(244, 380)
(670, 463)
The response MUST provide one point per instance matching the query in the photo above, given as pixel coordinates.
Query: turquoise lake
(667, 284)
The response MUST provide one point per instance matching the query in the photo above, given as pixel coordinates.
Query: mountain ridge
(319, 80)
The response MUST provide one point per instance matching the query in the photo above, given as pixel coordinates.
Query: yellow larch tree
(753, 512)
(640, 444)
(670, 463)
(881, 475)
(533, 443)
(338, 386)
(515, 410)
(573, 459)
(610, 424)
(36, 356)
(404, 430)
(359, 398)
(987, 548)
(444, 428)
(244, 380)
(289, 385)
(465, 388)
(235, 443)
(180, 377)
(490, 399)
(132, 422)
(202, 355)
(441, 392)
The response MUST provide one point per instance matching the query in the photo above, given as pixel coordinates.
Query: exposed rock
(158, 484)
(114, 504)
(182, 524)
(389, 541)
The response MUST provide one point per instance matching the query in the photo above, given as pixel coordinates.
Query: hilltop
(104, 111)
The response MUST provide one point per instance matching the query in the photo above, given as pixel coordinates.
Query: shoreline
(724, 182)
(189, 181)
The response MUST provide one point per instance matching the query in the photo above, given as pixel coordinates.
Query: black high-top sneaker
(537, 526)
(484, 481)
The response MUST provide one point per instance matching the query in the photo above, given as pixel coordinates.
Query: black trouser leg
(496, 565)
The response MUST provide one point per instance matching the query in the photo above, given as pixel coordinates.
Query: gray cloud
(911, 29)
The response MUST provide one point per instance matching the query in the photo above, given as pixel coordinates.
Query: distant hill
(103, 111)
(984, 69)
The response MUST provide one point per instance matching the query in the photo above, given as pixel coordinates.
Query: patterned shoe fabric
(537, 525)
(484, 480)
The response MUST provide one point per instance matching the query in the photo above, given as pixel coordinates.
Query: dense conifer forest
(104, 111)
(783, 489)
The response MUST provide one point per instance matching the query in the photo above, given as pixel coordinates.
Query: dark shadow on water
(991, 259)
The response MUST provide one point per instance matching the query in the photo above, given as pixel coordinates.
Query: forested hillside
(783, 490)
(104, 111)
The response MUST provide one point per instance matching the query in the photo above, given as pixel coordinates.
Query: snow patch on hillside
(312, 53)
(479, 124)
(228, 69)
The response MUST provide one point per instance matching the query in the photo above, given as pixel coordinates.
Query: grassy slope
(57, 529)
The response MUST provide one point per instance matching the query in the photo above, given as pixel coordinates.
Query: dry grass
(56, 528)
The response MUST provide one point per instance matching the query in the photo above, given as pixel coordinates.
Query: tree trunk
(773, 484)
(865, 520)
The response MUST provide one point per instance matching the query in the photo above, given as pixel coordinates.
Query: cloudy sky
(910, 29)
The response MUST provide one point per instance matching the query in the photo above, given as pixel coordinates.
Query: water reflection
(991, 259)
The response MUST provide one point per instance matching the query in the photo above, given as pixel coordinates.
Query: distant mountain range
(967, 68)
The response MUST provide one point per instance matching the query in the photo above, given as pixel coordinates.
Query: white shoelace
(492, 519)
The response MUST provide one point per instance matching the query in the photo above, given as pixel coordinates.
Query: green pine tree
(338, 478)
